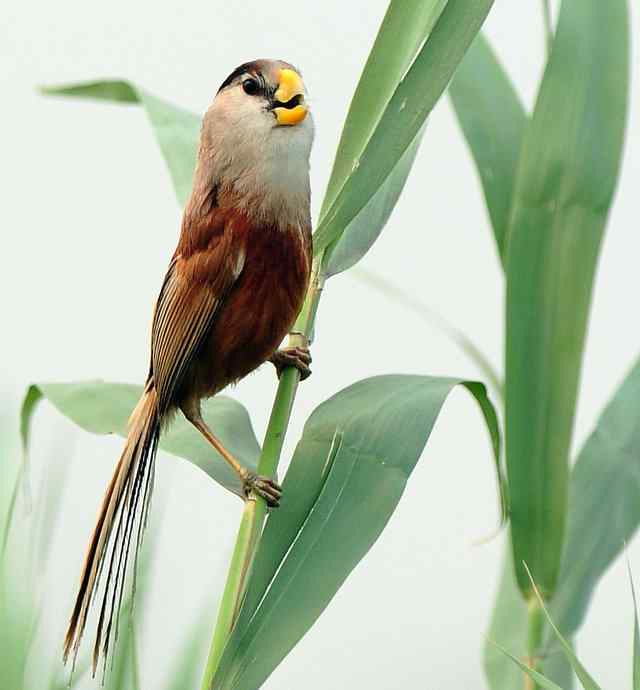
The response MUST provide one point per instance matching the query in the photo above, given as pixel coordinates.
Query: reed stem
(255, 509)
(535, 624)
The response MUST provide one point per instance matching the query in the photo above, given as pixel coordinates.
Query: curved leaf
(416, 305)
(566, 179)
(346, 478)
(176, 130)
(104, 408)
(493, 122)
(404, 115)
(404, 28)
(607, 472)
(358, 237)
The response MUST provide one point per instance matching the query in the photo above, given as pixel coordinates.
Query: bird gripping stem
(255, 509)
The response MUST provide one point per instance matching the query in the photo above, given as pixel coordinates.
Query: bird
(232, 291)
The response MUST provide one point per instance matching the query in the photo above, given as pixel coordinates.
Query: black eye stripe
(241, 74)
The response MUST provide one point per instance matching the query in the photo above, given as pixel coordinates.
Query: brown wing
(192, 292)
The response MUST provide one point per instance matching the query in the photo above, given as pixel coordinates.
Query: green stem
(255, 509)
(548, 25)
(535, 629)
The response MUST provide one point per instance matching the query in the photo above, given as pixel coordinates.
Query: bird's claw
(263, 486)
(298, 357)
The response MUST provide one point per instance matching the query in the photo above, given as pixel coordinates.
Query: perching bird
(233, 289)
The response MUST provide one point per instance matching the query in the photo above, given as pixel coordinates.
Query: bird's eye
(250, 87)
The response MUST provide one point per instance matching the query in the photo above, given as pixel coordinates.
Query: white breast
(267, 165)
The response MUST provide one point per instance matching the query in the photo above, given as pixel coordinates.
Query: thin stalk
(548, 25)
(535, 630)
(433, 318)
(255, 509)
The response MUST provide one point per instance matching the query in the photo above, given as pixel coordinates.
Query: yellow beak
(290, 87)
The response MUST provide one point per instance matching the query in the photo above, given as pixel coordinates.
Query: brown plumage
(232, 291)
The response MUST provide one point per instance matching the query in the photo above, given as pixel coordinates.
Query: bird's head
(271, 90)
(257, 134)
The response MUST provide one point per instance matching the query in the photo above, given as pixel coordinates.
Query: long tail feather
(123, 512)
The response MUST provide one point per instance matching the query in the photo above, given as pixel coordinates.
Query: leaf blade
(493, 122)
(404, 115)
(177, 130)
(606, 468)
(387, 62)
(567, 175)
(361, 233)
(394, 292)
(104, 408)
(343, 472)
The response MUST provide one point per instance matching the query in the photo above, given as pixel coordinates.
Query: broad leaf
(566, 179)
(607, 472)
(404, 28)
(394, 292)
(358, 237)
(346, 478)
(404, 115)
(493, 122)
(104, 408)
(176, 130)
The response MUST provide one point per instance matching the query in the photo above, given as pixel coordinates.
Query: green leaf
(104, 408)
(397, 294)
(607, 472)
(587, 682)
(358, 237)
(28, 526)
(346, 478)
(493, 122)
(404, 28)
(177, 130)
(566, 179)
(507, 632)
(403, 117)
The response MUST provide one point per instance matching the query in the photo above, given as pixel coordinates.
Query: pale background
(89, 222)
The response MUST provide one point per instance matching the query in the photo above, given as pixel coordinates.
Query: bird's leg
(251, 482)
(298, 357)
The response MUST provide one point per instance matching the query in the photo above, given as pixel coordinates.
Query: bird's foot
(262, 486)
(298, 357)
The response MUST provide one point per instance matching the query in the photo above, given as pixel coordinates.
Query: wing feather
(191, 295)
